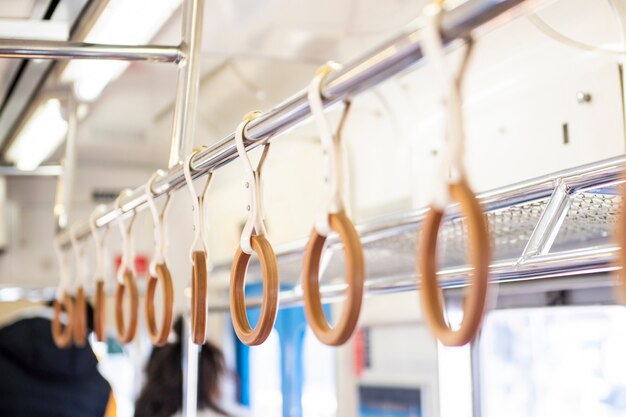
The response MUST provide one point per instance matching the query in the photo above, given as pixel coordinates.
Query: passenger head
(162, 394)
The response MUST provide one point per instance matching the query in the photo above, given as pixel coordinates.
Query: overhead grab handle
(333, 218)
(255, 224)
(62, 335)
(80, 303)
(126, 331)
(159, 271)
(451, 184)
(99, 314)
(253, 239)
(199, 250)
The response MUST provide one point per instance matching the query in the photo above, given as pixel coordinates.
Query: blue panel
(290, 326)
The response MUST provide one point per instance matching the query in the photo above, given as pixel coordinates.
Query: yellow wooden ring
(80, 318)
(159, 335)
(125, 333)
(199, 277)
(621, 257)
(480, 255)
(62, 336)
(99, 312)
(269, 305)
(355, 273)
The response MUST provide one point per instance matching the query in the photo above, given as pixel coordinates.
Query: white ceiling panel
(17, 9)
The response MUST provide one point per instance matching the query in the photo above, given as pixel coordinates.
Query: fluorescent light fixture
(41, 135)
(123, 22)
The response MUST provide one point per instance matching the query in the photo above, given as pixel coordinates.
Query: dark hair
(162, 395)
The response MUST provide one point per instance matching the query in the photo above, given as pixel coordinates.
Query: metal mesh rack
(591, 220)
(557, 225)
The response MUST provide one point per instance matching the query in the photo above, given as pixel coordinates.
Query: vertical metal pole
(185, 107)
(182, 140)
(190, 371)
(65, 182)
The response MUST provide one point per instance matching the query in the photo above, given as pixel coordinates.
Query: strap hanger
(451, 184)
(452, 167)
(255, 224)
(82, 269)
(333, 218)
(126, 282)
(62, 335)
(200, 241)
(99, 241)
(253, 239)
(331, 145)
(198, 254)
(128, 255)
(158, 219)
(64, 270)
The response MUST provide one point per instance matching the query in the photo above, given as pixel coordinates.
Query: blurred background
(533, 106)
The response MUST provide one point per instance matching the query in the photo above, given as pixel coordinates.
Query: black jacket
(39, 380)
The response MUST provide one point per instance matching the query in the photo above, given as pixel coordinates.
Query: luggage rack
(557, 225)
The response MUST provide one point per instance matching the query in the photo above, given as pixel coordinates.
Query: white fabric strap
(82, 268)
(200, 239)
(160, 226)
(128, 253)
(64, 270)
(99, 241)
(255, 224)
(332, 147)
(451, 168)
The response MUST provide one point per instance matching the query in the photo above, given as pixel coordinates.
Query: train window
(455, 381)
(319, 394)
(266, 397)
(553, 361)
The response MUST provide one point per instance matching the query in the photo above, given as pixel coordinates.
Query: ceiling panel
(17, 9)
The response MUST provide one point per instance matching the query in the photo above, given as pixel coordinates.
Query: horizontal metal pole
(43, 49)
(562, 264)
(603, 173)
(588, 261)
(391, 59)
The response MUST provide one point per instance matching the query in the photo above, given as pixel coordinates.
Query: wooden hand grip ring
(269, 305)
(198, 298)
(621, 258)
(99, 312)
(159, 335)
(80, 318)
(480, 255)
(355, 273)
(126, 331)
(63, 336)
